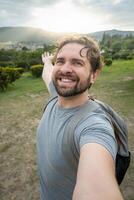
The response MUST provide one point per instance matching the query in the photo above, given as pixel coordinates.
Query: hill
(36, 35)
(26, 34)
(98, 35)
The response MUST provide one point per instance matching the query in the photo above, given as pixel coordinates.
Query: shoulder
(97, 118)
(96, 127)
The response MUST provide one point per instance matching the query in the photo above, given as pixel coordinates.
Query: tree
(116, 46)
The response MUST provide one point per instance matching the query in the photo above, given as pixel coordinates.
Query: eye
(59, 62)
(78, 64)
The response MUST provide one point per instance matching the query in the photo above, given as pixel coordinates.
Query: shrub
(7, 76)
(13, 74)
(116, 55)
(130, 57)
(37, 70)
(6, 63)
(108, 61)
(3, 79)
(22, 64)
(124, 54)
(20, 70)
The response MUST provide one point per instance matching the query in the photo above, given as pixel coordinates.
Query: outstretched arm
(96, 175)
(47, 69)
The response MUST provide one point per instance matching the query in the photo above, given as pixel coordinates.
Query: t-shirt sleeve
(98, 129)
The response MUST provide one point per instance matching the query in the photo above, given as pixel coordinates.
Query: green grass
(21, 107)
(116, 85)
(23, 86)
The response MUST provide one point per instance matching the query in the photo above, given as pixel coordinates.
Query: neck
(73, 101)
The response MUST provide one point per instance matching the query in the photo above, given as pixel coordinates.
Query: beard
(77, 88)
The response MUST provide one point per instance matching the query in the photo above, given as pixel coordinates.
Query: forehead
(72, 50)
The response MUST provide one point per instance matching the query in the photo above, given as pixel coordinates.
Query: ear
(94, 75)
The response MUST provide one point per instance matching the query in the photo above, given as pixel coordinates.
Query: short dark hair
(93, 52)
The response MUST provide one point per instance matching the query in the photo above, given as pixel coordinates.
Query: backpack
(123, 156)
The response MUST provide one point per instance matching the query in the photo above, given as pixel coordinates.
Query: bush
(108, 61)
(13, 73)
(130, 57)
(7, 76)
(124, 55)
(37, 70)
(116, 55)
(6, 63)
(22, 64)
(3, 79)
(20, 70)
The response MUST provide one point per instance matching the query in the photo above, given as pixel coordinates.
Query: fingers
(47, 54)
(47, 57)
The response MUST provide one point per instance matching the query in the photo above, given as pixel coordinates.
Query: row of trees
(24, 58)
(13, 63)
(112, 47)
(117, 47)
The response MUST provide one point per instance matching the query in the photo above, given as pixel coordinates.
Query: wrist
(47, 62)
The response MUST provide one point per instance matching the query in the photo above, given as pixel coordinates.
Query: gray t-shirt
(58, 170)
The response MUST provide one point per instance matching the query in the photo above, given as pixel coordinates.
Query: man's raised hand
(48, 67)
(47, 58)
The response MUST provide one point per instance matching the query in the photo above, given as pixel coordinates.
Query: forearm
(47, 69)
(81, 193)
(47, 74)
(96, 175)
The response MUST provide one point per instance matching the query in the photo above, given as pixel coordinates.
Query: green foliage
(23, 58)
(6, 63)
(3, 79)
(108, 61)
(20, 70)
(36, 70)
(13, 74)
(117, 46)
(123, 54)
(22, 64)
(129, 43)
(8, 75)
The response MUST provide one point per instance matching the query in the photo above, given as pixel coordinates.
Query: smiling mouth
(66, 82)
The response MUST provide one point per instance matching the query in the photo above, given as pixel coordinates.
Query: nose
(66, 67)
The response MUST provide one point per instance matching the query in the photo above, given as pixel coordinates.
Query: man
(63, 176)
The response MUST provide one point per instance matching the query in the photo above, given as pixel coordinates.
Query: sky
(81, 16)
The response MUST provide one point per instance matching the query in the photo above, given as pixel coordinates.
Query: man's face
(72, 72)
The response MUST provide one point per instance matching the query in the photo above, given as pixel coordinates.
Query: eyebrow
(60, 58)
(73, 59)
(78, 60)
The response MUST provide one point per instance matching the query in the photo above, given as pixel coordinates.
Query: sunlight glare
(64, 17)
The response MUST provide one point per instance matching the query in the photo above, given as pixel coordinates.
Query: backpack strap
(72, 154)
(49, 101)
(120, 128)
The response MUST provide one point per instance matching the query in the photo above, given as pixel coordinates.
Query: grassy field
(20, 111)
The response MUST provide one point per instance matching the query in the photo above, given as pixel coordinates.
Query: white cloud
(69, 15)
(115, 2)
(3, 14)
(64, 17)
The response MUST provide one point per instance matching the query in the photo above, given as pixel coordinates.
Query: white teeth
(66, 80)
